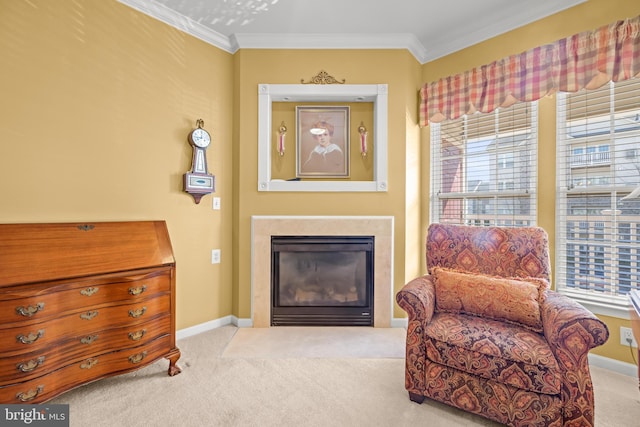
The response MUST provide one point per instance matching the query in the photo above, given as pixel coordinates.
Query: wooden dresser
(80, 302)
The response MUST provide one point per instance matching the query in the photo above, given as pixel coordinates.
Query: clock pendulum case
(198, 181)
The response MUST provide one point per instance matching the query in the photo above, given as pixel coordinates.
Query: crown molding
(332, 41)
(168, 16)
(510, 20)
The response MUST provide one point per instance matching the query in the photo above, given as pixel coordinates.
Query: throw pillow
(510, 299)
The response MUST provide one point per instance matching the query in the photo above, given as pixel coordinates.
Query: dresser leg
(173, 357)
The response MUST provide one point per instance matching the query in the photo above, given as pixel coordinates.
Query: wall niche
(368, 103)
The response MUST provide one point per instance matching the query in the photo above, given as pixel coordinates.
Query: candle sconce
(363, 140)
(282, 132)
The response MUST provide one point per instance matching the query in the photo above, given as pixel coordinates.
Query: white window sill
(599, 307)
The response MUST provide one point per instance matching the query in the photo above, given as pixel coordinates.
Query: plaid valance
(585, 60)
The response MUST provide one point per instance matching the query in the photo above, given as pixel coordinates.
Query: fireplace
(322, 280)
(264, 228)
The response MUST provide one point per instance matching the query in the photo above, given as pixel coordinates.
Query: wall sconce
(281, 134)
(363, 139)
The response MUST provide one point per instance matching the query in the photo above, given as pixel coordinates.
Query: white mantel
(263, 227)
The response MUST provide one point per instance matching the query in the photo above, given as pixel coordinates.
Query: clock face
(200, 138)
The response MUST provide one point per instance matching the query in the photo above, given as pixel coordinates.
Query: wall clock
(198, 181)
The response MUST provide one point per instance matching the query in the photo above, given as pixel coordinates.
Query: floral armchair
(488, 336)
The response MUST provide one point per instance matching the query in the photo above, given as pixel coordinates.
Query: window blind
(598, 194)
(484, 168)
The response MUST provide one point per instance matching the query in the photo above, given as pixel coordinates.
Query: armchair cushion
(513, 300)
(493, 350)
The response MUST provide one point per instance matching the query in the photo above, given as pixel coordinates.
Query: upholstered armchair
(488, 336)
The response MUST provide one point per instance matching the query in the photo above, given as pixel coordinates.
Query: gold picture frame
(322, 141)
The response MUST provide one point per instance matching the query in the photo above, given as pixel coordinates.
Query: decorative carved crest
(323, 78)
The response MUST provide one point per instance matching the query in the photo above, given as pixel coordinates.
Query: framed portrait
(322, 142)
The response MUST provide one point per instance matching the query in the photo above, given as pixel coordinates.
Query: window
(483, 168)
(598, 195)
(505, 161)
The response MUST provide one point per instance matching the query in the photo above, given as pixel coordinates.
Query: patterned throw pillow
(514, 300)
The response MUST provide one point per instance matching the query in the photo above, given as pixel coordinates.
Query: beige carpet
(314, 342)
(222, 385)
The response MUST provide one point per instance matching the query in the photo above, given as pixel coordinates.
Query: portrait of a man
(322, 142)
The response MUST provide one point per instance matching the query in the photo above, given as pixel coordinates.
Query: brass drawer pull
(137, 336)
(89, 291)
(30, 395)
(89, 363)
(89, 315)
(137, 313)
(137, 358)
(137, 290)
(89, 339)
(31, 338)
(30, 310)
(30, 365)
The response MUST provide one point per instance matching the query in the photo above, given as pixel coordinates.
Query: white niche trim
(268, 93)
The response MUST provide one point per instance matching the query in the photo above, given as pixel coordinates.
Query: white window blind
(484, 166)
(598, 194)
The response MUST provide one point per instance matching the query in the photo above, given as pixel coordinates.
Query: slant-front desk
(82, 301)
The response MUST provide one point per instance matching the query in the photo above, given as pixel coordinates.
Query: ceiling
(429, 29)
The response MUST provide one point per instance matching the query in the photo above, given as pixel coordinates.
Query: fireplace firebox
(322, 280)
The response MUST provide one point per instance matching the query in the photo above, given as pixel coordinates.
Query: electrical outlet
(626, 335)
(215, 256)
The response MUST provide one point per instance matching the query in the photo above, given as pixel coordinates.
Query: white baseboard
(402, 322)
(213, 324)
(203, 327)
(242, 323)
(614, 365)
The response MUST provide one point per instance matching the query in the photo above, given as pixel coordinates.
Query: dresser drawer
(91, 368)
(24, 366)
(28, 338)
(26, 305)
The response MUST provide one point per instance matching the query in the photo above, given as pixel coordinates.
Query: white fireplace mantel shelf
(263, 227)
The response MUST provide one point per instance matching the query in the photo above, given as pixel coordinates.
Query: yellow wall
(96, 101)
(398, 69)
(587, 16)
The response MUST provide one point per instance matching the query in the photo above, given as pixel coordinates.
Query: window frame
(598, 184)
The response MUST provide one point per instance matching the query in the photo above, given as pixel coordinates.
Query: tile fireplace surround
(263, 227)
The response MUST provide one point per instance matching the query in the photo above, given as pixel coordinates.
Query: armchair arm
(565, 321)
(417, 298)
(571, 331)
